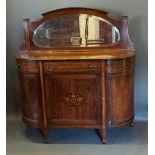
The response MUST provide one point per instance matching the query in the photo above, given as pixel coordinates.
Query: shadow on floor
(128, 135)
(28, 141)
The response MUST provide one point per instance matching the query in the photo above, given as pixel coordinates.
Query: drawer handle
(92, 67)
(128, 63)
(51, 68)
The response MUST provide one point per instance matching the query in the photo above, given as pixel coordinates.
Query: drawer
(129, 62)
(72, 66)
(114, 66)
(28, 66)
(120, 65)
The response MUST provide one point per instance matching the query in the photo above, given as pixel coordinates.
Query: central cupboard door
(73, 99)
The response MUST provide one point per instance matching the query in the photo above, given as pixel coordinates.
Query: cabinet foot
(104, 141)
(131, 124)
(45, 135)
(103, 135)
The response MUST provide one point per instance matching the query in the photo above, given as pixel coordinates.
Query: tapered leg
(44, 129)
(103, 135)
(103, 103)
(45, 135)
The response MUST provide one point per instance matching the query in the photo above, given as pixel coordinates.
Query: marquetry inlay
(73, 99)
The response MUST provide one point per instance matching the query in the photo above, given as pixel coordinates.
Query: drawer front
(114, 66)
(28, 67)
(129, 63)
(72, 67)
(120, 65)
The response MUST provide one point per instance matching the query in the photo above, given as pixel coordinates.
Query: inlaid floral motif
(73, 99)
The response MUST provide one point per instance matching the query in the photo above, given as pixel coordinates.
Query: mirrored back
(75, 30)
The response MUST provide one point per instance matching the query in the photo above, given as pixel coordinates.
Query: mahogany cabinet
(76, 70)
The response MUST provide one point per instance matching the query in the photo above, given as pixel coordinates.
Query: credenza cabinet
(75, 78)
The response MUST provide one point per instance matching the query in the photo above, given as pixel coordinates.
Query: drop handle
(92, 67)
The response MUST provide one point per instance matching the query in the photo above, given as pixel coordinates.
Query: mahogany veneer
(77, 86)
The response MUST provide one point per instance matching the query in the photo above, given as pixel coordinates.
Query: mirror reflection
(75, 30)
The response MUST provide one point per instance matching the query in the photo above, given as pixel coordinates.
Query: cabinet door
(73, 99)
(120, 98)
(31, 98)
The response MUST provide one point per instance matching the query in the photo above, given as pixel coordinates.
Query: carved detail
(73, 99)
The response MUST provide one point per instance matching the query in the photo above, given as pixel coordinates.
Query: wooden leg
(103, 102)
(44, 129)
(45, 135)
(103, 135)
(131, 123)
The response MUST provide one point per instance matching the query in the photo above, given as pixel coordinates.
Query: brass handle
(128, 63)
(92, 67)
(51, 68)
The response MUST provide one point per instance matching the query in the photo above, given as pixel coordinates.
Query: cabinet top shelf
(73, 28)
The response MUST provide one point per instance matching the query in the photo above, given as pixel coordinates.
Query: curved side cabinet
(30, 93)
(120, 82)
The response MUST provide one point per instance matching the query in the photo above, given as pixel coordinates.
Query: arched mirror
(75, 30)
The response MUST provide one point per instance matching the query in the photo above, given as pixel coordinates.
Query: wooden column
(103, 101)
(45, 128)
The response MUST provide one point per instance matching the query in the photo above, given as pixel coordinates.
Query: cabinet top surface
(75, 54)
